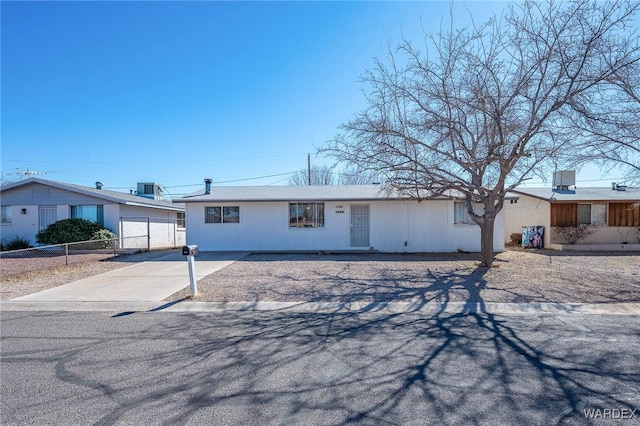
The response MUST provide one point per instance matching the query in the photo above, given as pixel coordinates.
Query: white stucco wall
(424, 227)
(22, 225)
(528, 211)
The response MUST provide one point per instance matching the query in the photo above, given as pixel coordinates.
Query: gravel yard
(518, 276)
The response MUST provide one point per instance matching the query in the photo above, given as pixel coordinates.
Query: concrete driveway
(150, 281)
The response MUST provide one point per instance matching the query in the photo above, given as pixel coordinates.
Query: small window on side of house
(6, 215)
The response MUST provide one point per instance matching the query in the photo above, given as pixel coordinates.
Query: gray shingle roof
(293, 193)
(582, 194)
(105, 194)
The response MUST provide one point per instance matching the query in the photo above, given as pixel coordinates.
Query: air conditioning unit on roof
(151, 190)
(563, 179)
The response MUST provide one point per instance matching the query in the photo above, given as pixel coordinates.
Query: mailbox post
(190, 252)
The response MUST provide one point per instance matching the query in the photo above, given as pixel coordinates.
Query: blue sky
(173, 92)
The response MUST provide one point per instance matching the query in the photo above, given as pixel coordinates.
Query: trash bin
(532, 236)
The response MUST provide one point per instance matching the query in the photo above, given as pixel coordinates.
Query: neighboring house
(612, 215)
(139, 220)
(323, 218)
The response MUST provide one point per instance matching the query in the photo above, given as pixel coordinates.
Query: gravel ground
(15, 282)
(518, 276)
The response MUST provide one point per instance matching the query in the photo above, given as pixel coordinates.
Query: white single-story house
(140, 220)
(328, 218)
(611, 214)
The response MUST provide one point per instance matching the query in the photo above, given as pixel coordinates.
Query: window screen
(584, 214)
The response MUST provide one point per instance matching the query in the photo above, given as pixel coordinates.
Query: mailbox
(190, 250)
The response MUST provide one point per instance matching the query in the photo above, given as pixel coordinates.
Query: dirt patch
(519, 276)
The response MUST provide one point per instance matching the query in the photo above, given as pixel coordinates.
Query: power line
(257, 177)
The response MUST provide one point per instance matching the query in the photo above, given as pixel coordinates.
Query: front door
(46, 216)
(359, 225)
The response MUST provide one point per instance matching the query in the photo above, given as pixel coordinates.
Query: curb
(464, 308)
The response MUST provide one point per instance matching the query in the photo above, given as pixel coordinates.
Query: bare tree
(316, 175)
(489, 106)
(353, 176)
(612, 119)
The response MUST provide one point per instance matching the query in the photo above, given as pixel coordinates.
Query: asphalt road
(267, 368)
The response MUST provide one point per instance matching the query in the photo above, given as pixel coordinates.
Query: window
(94, 213)
(181, 220)
(222, 214)
(6, 215)
(460, 215)
(598, 214)
(584, 214)
(306, 215)
(592, 214)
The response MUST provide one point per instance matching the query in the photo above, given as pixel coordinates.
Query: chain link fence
(38, 258)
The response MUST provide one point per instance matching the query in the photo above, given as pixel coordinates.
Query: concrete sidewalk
(389, 308)
(150, 281)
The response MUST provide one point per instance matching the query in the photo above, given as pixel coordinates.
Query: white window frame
(7, 215)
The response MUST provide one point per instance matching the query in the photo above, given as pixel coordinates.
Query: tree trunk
(486, 241)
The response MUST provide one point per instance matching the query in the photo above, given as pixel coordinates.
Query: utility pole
(309, 168)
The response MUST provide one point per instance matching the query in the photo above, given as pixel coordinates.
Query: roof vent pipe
(614, 186)
(98, 185)
(207, 186)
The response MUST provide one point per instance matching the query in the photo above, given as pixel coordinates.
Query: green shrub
(16, 243)
(72, 230)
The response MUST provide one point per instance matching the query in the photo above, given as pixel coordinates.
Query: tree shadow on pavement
(382, 367)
